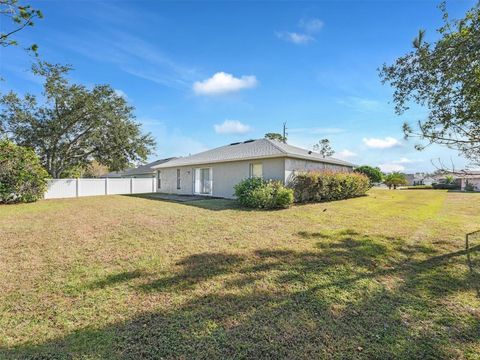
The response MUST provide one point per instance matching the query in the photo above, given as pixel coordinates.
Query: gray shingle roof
(251, 149)
(142, 169)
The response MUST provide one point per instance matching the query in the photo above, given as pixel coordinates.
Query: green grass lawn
(383, 276)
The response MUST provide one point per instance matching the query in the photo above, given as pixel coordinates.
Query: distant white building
(472, 178)
(420, 178)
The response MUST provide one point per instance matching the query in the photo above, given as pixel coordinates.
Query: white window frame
(179, 180)
(251, 167)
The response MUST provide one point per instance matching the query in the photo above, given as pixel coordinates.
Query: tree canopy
(443, 76)
(14, 18)
(373, 173)
(276, 137)
(72, 125)
(22, 177)
(395, 179)
(323, 148)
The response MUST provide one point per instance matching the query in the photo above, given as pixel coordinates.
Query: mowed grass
(383, 276)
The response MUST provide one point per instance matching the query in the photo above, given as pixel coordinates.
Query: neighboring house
(472, 178)
(410, 179)
(143, 171)
(215, 172)
(420, 179)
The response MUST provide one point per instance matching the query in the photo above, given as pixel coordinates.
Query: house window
(203, 181)
(159, 179)
(178, 179)
(256, 170)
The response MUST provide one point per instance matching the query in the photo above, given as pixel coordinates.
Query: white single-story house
(420, 178)
(472, 178)
(215, 172)
(142, 171)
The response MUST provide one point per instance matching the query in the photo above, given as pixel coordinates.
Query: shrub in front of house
(315, 186)
(419, 187)
(441, 186)
(257, 193)
(22, 177)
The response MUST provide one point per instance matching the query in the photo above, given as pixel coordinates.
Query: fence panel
(61, 188)
(142, 185)
(91, 187)
(118, 186)
(68, 188)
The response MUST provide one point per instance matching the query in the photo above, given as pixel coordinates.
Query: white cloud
(345, 154)
(294, 37)
(223, 83)
(309, 28)
(311, 25)
(389, 167)
(387, 143)
(231, 127)
(130, 54)
(404, 160)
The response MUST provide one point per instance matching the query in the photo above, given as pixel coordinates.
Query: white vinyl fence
(69, 188)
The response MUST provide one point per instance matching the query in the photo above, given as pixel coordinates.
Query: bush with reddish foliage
(315, 186)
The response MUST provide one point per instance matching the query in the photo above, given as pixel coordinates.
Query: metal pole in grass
(473, 273)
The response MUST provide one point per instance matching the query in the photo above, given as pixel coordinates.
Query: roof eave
(169, 165)
(326, 161)
(283, 155)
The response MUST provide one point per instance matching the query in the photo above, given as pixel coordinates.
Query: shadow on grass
(194, 269)
(115, 279)
(352, 296)
(202, 202)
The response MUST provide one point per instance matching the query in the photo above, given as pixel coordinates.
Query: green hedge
(327, 186)
(418, 187)
(22, 177)
(440, 186)
(263, 194)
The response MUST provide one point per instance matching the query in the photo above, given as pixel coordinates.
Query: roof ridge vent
(248, 141)
(235, 143)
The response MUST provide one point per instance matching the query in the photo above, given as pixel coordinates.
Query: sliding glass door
(203, 181)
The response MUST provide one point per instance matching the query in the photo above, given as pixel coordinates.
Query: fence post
(106, 186)
(77, 187)
(131, 185)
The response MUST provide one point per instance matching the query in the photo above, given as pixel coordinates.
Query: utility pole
(285, 132)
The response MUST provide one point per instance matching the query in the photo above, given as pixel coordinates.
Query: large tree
(71, 125)
(323, 148)
(15, 17)
(443, 76)
(373, 173)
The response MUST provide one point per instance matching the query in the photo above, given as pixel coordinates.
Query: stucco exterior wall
(168, 181)
(293, 165)
(224, 176)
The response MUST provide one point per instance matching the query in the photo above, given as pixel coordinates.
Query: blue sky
(204, 74)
